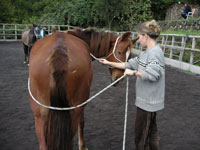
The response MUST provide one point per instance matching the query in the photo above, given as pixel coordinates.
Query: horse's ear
(135, 39)
(34, 25)
(125, 36)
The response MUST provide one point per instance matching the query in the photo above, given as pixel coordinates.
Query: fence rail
(14, 31)
(184, 48)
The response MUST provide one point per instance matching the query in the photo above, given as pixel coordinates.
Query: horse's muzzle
(37, 37)
(114, 78)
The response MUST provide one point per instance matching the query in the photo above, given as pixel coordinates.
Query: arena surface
(178, 123)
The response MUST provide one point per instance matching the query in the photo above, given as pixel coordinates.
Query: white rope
(94, 57)
(74, 107)
(115, 49)
(125, 118)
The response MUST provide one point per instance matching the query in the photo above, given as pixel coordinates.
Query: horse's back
(25, 36)
(76, 49)
(79, 69)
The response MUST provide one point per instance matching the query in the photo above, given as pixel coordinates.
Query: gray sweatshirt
(150, 88)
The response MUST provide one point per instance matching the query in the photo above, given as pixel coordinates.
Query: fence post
(165, 43)
(59, 28)
(4, 34)
(133, 35)
(171, 49)
(163, 39)
(183, 43)
(48, 29)
(192, 53)
(15, 32)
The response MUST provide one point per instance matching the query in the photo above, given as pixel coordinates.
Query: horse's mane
(32, 29)
(99, 41)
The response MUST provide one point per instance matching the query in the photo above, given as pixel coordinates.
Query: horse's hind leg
(29, 51)
(40, 131)
(25, 53)
(81, 141)
(40, 124)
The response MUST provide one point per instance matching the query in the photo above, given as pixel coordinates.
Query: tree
(82, 13)
(7, 11)
(107, 11)
(135, 12)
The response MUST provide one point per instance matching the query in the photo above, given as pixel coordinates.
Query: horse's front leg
(25, 53)
(81, 142)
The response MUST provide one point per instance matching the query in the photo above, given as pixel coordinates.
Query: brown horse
(61, 73)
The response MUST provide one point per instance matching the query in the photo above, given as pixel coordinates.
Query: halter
(113, 52)
(35, 33)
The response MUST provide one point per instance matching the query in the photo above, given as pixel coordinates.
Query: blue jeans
(184, 15)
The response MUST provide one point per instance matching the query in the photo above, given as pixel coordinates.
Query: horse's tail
(59, 124)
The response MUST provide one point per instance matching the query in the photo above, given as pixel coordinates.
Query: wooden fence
(10, 32)
(184, 48)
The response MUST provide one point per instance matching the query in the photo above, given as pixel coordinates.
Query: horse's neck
(103, 47)
(31, 37)
(31, 31)
(99, 42)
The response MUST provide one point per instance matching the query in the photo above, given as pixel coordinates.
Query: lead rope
(91, 98)
(125, 118)
(73, 107)
(127, 84)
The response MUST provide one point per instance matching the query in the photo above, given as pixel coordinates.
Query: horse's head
(107, 44)
(120, 52)
(36, 30)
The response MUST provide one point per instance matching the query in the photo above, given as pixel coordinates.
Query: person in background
(42, 32)
(149, 69)
(187, 9)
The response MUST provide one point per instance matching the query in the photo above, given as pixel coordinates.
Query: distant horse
(29, 37)
(61, 74)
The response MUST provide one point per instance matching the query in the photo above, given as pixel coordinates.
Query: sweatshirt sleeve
(132, 64)
(154, 68)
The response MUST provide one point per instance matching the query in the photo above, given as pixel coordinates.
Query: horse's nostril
(114, 79)
(117, 77)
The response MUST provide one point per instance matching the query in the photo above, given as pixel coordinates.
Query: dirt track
(178, 123)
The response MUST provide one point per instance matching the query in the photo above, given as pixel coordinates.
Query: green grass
(186, 71)
(185, 32)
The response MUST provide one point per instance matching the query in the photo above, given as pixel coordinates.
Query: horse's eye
(120, 52)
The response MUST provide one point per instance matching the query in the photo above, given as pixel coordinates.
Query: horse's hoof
(25, 62)
(83, 148)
